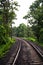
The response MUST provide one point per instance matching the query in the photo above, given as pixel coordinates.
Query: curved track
(17, 54)
(14, 55)
(27, 55)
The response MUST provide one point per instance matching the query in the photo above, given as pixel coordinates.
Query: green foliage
(40, 44)
(2, 35)
(14, 31)
(7, 14)
(30, 39)
(22, 31)
(41, 36)
(35, 17)
(4, 48)
(36, 31)
(7, 10)
(29, 32)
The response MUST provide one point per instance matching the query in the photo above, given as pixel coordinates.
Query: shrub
(2, 34)
(4, 48)
(41, 36)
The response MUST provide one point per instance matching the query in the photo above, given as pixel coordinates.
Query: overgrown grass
(40, 44)
(34, 40)
(30, 39)
(4, 48)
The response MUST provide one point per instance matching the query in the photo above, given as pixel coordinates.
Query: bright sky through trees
(23, 9)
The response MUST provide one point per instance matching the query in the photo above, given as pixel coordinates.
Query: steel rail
(40, 55)
(17, 55)
(37, 49)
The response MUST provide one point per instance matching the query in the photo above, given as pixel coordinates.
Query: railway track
(27, 54)
(37, 49)
(17, 55)
(16, 51)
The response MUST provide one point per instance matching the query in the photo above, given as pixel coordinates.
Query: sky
(23, 9)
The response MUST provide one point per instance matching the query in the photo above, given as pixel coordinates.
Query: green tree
(29, 31)
(14, 31)
(35, 17)
(7, 14)
(41, 35)
(22, 30)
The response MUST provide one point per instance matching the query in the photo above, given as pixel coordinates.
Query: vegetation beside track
(7, 14)
(4, 48)
(34, 17)
(34, 40)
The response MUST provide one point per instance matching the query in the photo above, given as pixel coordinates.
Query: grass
(34, 40)
(41, 44)
(4, 48)
(30, 39)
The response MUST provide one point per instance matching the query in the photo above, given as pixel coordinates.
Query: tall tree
(35, 17)
(7, 14)
(7, 11)
(22, 30)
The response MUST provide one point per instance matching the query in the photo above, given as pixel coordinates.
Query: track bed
(28, 55)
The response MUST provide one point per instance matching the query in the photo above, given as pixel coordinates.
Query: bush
(41, 36)
(4, 48)
(2, 34)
